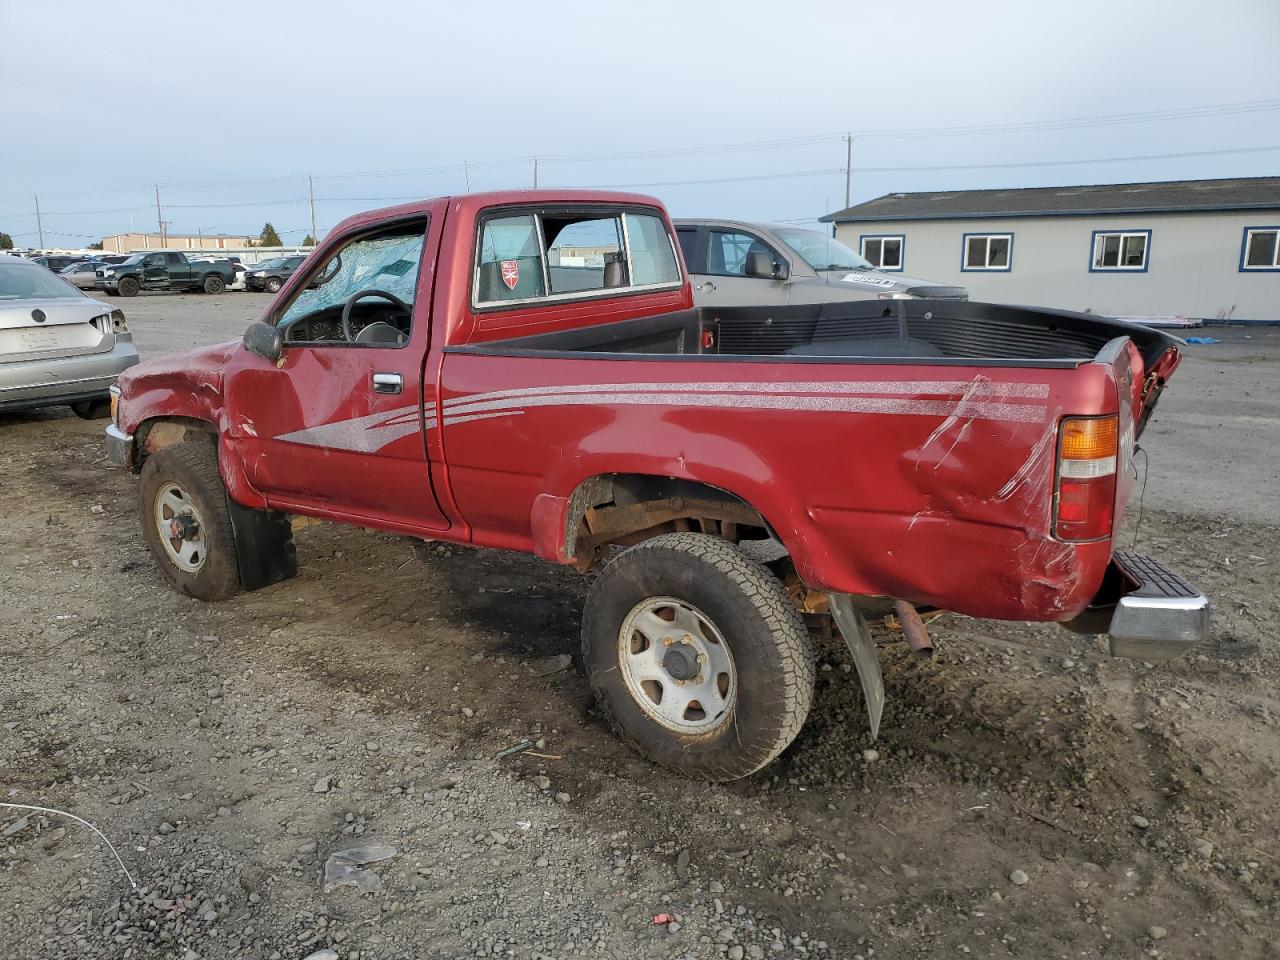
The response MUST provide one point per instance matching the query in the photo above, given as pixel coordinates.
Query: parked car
(82, 275)
(270, 275)
(57, 262)
(530, 382)
(738, 263)
(165, 271)
(113, 257)
(57, 346)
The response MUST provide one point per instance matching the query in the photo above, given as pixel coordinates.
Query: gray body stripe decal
(371, 433)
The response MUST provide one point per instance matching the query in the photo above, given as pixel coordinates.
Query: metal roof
(1171, 196)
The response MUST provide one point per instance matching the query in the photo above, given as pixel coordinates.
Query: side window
(175, 259)
(386, 261)
(884, 253)
(727, 256)
(652, 258)
(154, 260)
(563, 254)
(577, 251)
(688, 237)
(510, 265)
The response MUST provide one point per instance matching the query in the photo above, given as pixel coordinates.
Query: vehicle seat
(490, 287)
(614, 275)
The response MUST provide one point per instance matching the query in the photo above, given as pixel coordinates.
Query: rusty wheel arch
(624, 509)
(161, 432)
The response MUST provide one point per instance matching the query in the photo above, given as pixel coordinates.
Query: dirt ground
(1029, 796)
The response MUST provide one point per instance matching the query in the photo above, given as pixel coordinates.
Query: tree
(6, 242)
(269, 237)
(95, 246)
(308, 241)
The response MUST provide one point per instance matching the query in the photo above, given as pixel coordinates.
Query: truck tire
(128, 287)
(197, 554)
(214, 284)
(734, 667)
(273, 285)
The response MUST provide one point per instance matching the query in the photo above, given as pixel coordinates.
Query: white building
(1202, 249)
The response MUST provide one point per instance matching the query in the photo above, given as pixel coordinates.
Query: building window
(987, 251)
(884, 253)
(1261, 250)
(1120, 250)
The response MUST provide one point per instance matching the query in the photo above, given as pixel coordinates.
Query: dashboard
(326, 325)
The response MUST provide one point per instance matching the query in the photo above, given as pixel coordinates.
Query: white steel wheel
(677, 666)
(181, 528)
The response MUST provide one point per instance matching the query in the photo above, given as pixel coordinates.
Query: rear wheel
(186, 522)
(214, 284)
(128, 287)
(273, 285)
(96, 409)
(697, 657)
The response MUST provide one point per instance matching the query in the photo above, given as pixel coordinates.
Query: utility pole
(159, 219)
(466, 174)
(848, 166)
(39, 221)
(535, 173)
(311, 188)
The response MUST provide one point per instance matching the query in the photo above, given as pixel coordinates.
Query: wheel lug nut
(667, 641)
(699, 678)
(702, 658)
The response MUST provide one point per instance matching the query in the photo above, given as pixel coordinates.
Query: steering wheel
(360, 295)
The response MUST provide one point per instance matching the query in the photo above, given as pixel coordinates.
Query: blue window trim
(964, 252)
(1244, 249)
(902, 251)
(1146, 250)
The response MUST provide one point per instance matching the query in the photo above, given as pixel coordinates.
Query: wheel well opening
(164, 432)
(624, 509)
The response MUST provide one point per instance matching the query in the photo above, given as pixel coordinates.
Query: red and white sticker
(510, 273)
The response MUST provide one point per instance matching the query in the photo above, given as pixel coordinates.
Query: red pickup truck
(526, 370)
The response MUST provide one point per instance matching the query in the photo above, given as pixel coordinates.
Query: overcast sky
(229, 106)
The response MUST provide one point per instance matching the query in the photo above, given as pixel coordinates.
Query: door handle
(706, 285)
(387, 383)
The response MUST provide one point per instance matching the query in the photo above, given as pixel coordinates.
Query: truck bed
(883, 332)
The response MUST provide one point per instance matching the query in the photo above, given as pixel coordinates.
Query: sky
(735, 109)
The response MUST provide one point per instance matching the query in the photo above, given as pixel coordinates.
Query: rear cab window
(566, 253)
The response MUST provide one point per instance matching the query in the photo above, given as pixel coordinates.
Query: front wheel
(697, 657)
(214, 284)
(129, 287)
(273, 285)
(186, 522)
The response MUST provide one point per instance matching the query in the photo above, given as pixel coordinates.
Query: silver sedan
(57, 345)
(81, 275)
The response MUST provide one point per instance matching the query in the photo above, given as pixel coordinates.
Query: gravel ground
(1029, 796)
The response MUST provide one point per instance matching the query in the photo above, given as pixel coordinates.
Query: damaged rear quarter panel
(929, 483)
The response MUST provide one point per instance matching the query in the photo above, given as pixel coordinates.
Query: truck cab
(740, 263)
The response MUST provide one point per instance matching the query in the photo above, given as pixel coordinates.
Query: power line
(1025, 126)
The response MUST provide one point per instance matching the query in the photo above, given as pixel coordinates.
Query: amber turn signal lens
(1089, 439)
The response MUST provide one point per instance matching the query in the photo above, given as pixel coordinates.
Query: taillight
(1084, 502)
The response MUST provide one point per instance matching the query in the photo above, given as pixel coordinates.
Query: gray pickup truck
(733, 263)
(164, 271)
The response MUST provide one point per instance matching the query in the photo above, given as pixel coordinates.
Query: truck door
(154, 272)
(178, 268)
(725, 282)
(337, 426)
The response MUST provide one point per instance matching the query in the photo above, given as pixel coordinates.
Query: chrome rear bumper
(1147, 611)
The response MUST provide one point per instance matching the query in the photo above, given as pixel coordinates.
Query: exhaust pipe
(913, 629)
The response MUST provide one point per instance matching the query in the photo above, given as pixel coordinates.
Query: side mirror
(782, 270)
(264, 340)
(760, 265)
